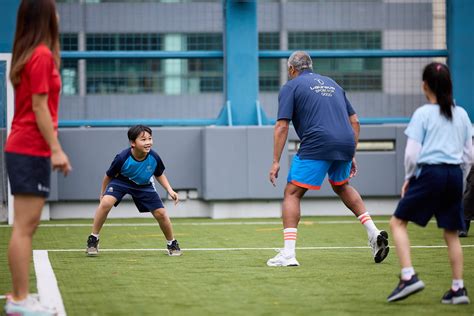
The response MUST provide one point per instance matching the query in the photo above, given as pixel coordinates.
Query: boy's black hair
(135, 131)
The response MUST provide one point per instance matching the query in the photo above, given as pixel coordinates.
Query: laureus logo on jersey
(324, 90)
(110, 189)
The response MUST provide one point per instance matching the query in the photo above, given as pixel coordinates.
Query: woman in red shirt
(32, 146)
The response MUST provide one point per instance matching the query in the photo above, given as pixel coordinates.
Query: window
(111, 42)
(205, 75)
(204, 41)
(168, 76)
(353, 74)
(69, 41)
(69, 67)
(335, 40)
(125, 76)
(135, 1)
(269, 69)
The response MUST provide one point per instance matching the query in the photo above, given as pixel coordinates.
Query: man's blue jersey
(320, 112)
(126, 167)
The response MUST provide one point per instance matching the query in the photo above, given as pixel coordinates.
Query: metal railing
(264, 54)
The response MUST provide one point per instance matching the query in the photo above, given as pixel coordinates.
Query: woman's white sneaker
(29, 306)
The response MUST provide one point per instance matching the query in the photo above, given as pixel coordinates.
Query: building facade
(193, 88)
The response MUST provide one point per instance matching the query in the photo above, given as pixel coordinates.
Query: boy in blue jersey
(131, 173)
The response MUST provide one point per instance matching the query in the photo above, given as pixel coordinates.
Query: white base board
(221, 209)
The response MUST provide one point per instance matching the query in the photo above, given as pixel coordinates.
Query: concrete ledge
(221, 209)
(126, 209)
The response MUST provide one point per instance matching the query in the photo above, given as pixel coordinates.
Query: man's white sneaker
(379, 244)
(30, 306)
(282, 260)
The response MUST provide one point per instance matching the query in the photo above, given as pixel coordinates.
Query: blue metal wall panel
(7, 24)
(3, 108)
(461, 52)
(220, 163)
(3, 94)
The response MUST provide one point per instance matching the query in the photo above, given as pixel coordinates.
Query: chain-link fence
(378, 87)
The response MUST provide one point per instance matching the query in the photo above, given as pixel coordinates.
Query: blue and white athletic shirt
(126, 167)
(320, 112)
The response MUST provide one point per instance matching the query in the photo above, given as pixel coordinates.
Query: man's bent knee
(338, 189)
(292, 190)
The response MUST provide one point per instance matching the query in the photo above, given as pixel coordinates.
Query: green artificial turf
(238, 282)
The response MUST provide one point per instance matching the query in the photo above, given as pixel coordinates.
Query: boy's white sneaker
(283, 260)
(28, 307)
(379, 244)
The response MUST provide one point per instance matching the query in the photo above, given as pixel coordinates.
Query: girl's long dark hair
(438, 79)
(36, 23)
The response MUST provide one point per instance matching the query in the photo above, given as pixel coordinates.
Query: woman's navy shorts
(28, 174)
(436, 191)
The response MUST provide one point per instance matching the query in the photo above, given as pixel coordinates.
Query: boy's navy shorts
(145, 197)
(436, 191)
(28, 174)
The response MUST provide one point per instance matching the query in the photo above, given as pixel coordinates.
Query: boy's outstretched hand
(174, 196)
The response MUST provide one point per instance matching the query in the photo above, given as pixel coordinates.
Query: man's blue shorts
(309, 174)
(145, 197)
(436, 191)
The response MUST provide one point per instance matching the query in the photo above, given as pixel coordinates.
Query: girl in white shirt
(437, 160)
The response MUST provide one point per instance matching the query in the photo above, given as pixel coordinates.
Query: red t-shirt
(39, 76)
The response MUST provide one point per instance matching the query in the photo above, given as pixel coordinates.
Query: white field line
(240, 249)
(46, 282)
(207, 223)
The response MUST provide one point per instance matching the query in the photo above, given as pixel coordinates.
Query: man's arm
(280, 134)
(354, 120)
(355, 126)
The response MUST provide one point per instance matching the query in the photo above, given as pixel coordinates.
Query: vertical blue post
(461, 51)
(8, 9)
(241, 60)
(3, 95)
